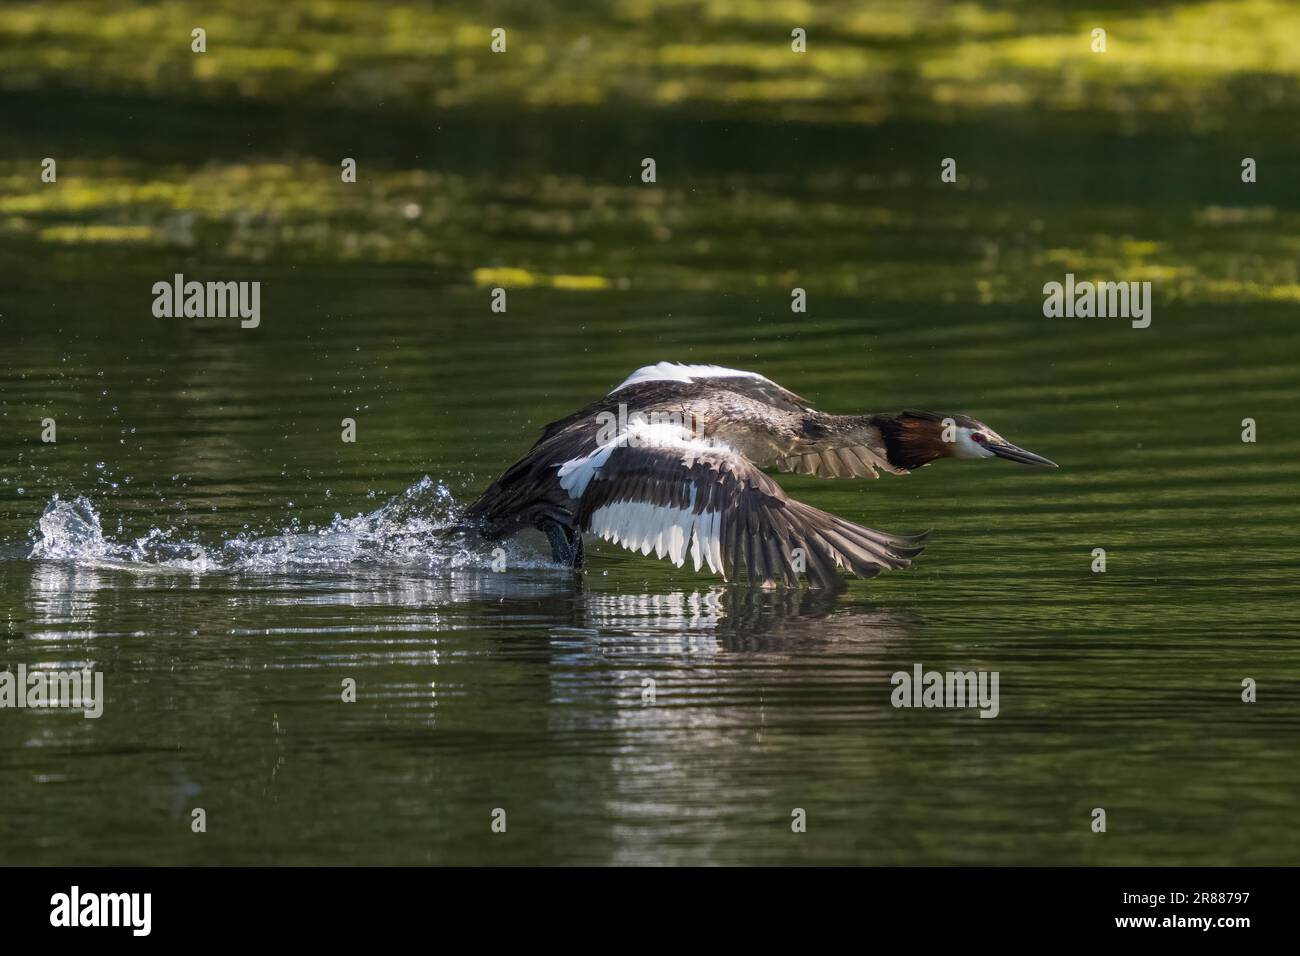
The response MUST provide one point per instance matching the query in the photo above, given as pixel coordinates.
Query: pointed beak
(1016, 453)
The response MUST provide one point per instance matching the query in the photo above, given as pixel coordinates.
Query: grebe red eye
(978, 437)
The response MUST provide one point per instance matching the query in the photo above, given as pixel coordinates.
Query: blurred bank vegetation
(774, 168)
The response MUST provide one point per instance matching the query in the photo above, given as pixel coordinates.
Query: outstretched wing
(829, 454)
(840, 459)
(749, 384)
(662, 490)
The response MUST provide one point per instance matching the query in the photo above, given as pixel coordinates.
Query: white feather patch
(677, 372)
(669, 532)
(576, 473)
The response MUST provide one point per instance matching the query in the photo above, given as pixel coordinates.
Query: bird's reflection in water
(702, 620)
(691, 693)
(735, 619)
(660, 711)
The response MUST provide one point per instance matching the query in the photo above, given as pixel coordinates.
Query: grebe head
(974, 439)
(915, 438)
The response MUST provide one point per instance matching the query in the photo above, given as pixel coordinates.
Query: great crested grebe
(671, 461)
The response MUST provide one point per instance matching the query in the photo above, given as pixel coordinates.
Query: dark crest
(914, 438)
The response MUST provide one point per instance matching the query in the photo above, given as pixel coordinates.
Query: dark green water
(522, 690)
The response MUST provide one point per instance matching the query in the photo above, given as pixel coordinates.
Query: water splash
(413, 529)
(69, 530)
